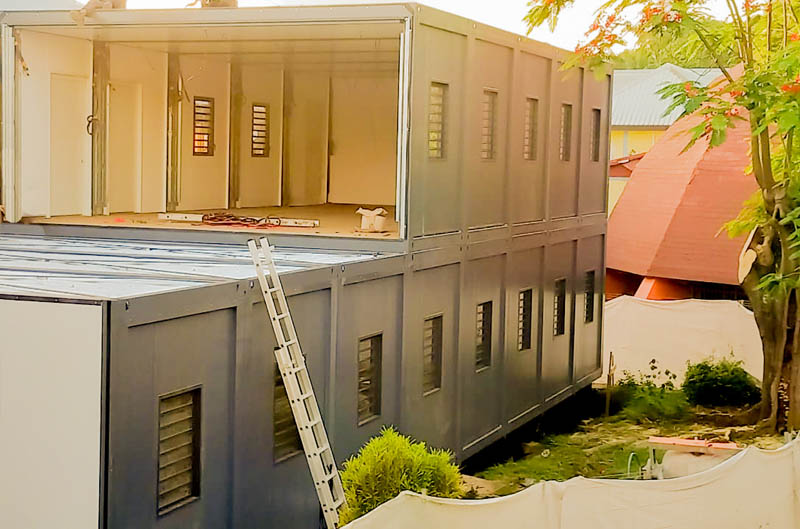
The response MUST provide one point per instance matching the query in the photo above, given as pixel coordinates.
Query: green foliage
(651, 396)
(752, 215)
(681, 46)
(391, 463)
(720, 383)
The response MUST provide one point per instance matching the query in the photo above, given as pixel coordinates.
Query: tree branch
(714, 54)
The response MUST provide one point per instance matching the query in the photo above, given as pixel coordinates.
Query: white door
(124, 147)
(70, 146)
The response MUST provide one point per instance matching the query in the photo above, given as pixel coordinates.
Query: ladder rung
(272, 290)
(282, 316)
(290, 342)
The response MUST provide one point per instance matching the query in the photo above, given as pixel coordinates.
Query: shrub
(391, 463)
(650, 396)
(720, 383)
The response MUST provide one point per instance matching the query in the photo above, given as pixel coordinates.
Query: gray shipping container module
(137, 381)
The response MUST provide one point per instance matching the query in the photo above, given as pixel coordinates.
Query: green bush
(720, 383)
(650, 397)
(391, 463)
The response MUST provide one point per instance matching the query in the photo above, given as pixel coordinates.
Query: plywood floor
(335, 220)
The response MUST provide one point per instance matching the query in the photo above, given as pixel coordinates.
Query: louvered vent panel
(437, 108)
(369, 378)
(432, 354)
(286, 439)
(483, 336)
(260, 131)
(488, 112)
(525, 320)
(203, 127)
(178, 449)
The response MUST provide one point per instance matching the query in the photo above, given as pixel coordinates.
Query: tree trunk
(771, 313)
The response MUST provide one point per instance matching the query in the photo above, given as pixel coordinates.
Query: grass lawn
(600, 447)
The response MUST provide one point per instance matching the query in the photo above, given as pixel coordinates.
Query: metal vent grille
(203, 127)
(560, 307)
(437, 108)
(530, 136)
(370, 352)
(483, 336)
(260, 132)
(596, 129)
(588, 299)
(285, 437)
(178, 449)
(432, 354)
(565, 138)
(524, 320)
(488, 114)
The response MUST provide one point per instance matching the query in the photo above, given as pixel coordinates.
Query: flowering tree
(763, 93)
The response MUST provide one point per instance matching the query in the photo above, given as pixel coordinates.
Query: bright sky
(505, 14)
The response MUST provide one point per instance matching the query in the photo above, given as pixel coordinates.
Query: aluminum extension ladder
(292, 365)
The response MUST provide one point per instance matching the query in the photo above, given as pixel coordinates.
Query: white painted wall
(137, 162)
(306, 151)
(204, 179)
(55, 161)
(50, 383)
(260, 177)
(363, 156)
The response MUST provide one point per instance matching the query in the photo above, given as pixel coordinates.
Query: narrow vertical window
(589, 293)
(530, 136)
(437, 114)
(596, 130)
(488, 117)
(285, 438)
(203, 127)
(259, 129)
(178, 449)
(525, 320)
(565, 142)
(370, 352)
(483, 336)
(560, 307)
(432, 354)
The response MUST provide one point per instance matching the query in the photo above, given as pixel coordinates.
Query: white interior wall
(55, 164)
(260, 177)
(50, 414)
(363, 157)
(137, 161)
(204, 179)
(306, 151)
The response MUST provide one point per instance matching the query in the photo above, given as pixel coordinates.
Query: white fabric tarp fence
(674, 332)
(754, 489)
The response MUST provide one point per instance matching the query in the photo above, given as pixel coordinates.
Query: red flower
(793, 88)
(794, 37)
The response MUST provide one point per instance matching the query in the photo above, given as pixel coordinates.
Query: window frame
(589, 304)
(376, 372)
(196, 454)
(437, 358)
(299, 450)
(483, 358)
(530, 133)
(442, 141)
(267, 132)
(211, 126)
(565, 132)
(560, 307)
(488, 124)
(522, 322)
(597, 132)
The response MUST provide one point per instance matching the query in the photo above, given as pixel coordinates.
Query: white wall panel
(50, 414)
(55, 100)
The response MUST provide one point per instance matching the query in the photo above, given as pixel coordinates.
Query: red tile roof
(667, 220)
(623, 167)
